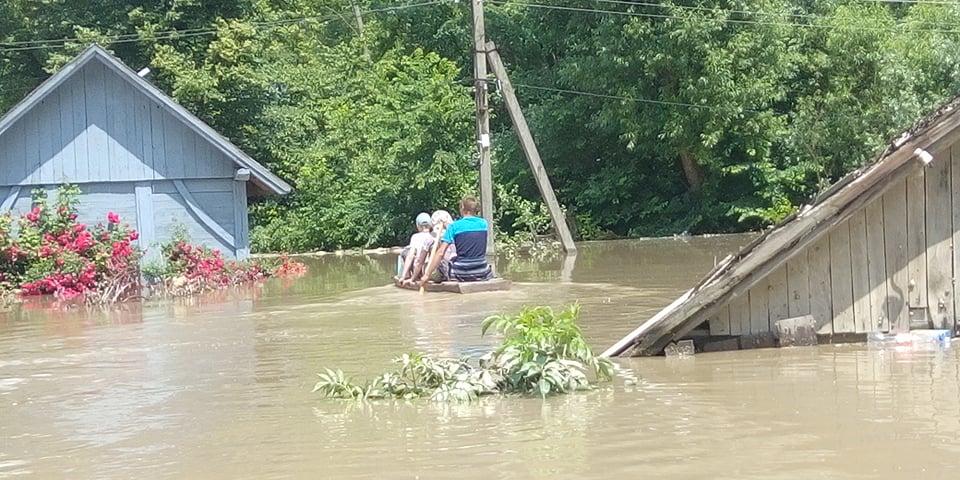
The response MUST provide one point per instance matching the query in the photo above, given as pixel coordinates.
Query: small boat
(493, 285)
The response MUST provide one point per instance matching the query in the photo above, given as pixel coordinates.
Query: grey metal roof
(260, 174)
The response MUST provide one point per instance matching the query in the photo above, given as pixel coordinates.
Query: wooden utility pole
(359, 17)
(530, 150)
(483, 119)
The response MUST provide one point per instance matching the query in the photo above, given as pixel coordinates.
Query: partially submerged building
(132, 150)
(877, 251)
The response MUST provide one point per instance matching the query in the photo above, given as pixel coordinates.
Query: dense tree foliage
(652, 117)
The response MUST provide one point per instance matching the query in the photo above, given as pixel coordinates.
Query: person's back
(421, 241)
(469, 235)
(412, 258)
(441, 221)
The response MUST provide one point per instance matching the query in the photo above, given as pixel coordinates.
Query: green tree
(652, 118)
(368, 142)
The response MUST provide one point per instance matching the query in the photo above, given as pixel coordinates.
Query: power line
(567, 91)
(112, 41)
(119, 36)
(706, 9)
(135, 37)
(25, 45)
(641, 3)
(726, 20)
(915, 2)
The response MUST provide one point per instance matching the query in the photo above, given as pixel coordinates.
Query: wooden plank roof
(260, 174)
(737, 273)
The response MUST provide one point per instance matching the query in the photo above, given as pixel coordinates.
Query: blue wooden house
(132, 150)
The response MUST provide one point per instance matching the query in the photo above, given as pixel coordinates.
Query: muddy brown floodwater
(219, 387)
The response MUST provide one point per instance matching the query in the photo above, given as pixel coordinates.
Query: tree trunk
(692, 172)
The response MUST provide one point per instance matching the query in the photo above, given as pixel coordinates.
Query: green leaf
(543, 387)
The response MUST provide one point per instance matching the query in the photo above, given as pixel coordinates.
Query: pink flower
(34, 215)
(113, 218)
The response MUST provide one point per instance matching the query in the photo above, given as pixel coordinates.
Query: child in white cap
(414, 254)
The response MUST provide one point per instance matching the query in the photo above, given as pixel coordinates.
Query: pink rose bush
(190, 269)
(51, 253)
(287, 268)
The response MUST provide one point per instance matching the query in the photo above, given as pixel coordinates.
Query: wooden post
(530, 150)
(483, 120)
(146, 221)
(241, 226)
(359, 17)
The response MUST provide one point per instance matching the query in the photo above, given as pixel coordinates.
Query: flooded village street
(220, 387)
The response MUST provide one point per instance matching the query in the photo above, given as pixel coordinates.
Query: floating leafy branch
(542, 352)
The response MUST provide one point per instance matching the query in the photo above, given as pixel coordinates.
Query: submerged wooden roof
(260, 174)
(738, 272)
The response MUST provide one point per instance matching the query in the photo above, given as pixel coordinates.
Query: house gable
(97, 121)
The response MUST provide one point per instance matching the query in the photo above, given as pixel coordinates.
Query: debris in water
(681, 348)
(915, 339)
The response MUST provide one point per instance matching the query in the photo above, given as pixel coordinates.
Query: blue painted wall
(168, 211)
(215, 198)
(96, 127)
(99, 132)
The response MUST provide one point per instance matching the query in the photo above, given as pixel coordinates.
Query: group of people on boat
(444, 250)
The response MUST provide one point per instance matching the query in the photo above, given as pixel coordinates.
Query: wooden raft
(495, 285)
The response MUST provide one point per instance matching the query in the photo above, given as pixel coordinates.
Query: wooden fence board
(862, 316)
(841, 279)
(955, 231)
(759, 307)
(720, 324)
(740, 315)
(798, 285)
(916, 241)
(778, 307)
(939, 220)
(877, 267)
(895, 244)
(821, 305)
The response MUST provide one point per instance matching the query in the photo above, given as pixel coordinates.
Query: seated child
(441, 221)
(414, 255)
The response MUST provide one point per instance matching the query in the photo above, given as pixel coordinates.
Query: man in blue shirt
(469, 235)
